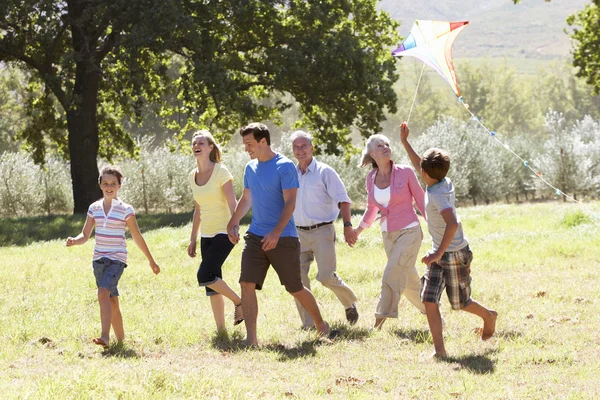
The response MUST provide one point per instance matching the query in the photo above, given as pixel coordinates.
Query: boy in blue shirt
(449, 262)
(270, 185)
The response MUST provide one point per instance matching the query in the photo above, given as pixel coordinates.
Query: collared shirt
(110, 229)
(321, 189)
(399, 213)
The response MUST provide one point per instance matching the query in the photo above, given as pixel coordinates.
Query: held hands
(404, 131)
(430, 258)
(350, 236)
(233, 232)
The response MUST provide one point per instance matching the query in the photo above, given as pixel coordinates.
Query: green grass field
(536, 264)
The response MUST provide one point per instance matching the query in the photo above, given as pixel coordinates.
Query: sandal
(238, 317)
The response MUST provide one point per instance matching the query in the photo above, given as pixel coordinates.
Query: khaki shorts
(285, 260)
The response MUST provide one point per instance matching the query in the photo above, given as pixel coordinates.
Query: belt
(308, 228)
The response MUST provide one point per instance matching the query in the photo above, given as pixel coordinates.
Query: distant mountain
(497, 28)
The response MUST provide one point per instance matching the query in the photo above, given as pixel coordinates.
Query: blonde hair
(215, 153)
(366, 158)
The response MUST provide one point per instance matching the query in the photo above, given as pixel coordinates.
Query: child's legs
(489, 318)
(214, 252)
(105, 313)
(434, 319)
(107, 273)
(433, 284)
(218, 309)
(117, 319)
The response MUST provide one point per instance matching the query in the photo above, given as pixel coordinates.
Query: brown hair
(258, 131)
(111, 170)
(436, 163)
(215, 153)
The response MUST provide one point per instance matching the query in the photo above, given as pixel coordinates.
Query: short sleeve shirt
(266, 181)
(214, 209)
(438, 198)
(110, 229)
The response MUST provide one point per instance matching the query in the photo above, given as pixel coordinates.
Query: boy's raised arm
(138, 239)
(415, 159)
(84, 235)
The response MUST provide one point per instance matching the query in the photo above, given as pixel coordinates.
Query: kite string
(525, 162)
(415, 96)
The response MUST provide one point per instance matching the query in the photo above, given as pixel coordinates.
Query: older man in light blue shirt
(319, 200)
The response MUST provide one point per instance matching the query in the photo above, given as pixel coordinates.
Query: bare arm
(451, 228)
(138, 239)
(230, 196)
(272, 238)
(415, 159)
(240, 210)
(195, 227)
(85, 234)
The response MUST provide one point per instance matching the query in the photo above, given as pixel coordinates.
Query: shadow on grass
(25, 230)
(307, 348)
(119, 350)
(475, 363)
(414, 335)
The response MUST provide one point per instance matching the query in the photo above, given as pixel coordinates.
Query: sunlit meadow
(536, 264)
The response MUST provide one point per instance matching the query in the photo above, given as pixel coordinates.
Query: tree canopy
(93, 64)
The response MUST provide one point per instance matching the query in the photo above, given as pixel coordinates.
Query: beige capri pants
(400, 275)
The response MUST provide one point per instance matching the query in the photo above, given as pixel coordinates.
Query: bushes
(28, 189)
(482, 170)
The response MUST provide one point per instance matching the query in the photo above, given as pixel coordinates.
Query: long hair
(215, 154)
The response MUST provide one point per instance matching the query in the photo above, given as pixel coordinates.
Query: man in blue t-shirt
(270, 185)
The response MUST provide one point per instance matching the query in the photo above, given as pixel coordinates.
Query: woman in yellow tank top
(214, 203)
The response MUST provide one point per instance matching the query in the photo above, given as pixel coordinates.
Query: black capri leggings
(214, 252)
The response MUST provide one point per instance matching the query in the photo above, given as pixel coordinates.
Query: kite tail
(525, 162)
(415, 96)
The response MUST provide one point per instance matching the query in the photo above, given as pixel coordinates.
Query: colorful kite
(431, 42)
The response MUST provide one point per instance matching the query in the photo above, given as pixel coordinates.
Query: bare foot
(323, 329)
(439, 356)
(253, 344)
(489, 326)
(379, 322)
(101, 342)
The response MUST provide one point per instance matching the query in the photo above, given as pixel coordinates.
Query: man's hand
(350, 236)
(233, 232)
(270, 241)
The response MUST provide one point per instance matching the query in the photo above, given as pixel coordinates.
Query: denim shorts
(107, 273)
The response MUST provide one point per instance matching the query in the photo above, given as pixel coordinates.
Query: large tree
(215, 63)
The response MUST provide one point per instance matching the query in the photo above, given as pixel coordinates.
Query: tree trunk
(82, 124)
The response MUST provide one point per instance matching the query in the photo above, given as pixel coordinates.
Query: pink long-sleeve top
(404, 187)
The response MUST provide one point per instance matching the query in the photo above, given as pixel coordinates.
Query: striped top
(110, 229)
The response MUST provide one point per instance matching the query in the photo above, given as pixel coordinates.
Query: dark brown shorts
(285, 259)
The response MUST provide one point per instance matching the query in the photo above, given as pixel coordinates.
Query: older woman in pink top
(391, 190)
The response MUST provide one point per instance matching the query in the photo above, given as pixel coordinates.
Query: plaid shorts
(453, 272)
